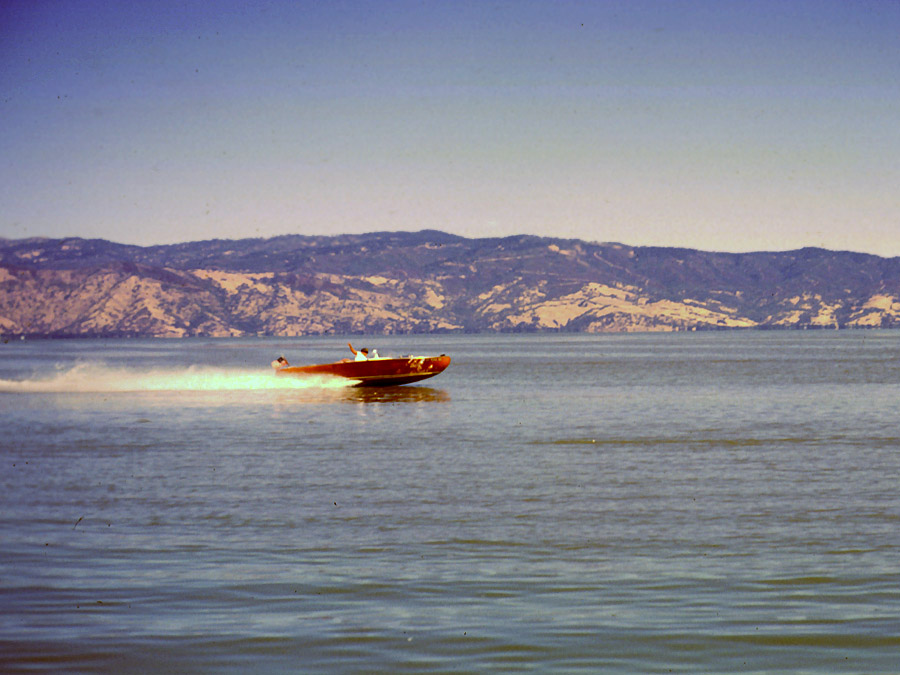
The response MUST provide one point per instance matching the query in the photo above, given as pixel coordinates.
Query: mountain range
(428, 281)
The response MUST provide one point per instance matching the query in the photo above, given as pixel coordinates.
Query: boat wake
(99, 378)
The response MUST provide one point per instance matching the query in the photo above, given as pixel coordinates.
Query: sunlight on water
(93, 378)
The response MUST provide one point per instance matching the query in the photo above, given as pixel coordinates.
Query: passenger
(374, 354)
(361, 355)
(280, 362)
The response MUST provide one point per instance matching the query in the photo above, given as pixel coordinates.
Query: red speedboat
(377, 372)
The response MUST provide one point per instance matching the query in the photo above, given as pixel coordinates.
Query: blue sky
(721, 125)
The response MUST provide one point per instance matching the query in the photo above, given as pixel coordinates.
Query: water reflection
(399, 394)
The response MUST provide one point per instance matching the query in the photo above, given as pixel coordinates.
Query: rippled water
(627, 503)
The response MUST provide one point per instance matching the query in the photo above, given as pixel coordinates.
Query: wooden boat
(377, 372)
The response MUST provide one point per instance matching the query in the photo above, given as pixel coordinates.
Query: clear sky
(720, 125)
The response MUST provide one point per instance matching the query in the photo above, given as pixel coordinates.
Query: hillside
(402, 282)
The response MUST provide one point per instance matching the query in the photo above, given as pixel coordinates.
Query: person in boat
(360, 355)
(280, 362)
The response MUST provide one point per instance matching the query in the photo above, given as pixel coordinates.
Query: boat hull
(377, 372)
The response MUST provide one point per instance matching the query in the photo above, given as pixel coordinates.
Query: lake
(652, 503)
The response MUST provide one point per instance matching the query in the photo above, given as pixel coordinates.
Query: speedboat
(376, 372)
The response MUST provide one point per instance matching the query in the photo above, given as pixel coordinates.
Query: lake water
(715, 502)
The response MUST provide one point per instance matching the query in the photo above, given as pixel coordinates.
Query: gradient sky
(721, 125)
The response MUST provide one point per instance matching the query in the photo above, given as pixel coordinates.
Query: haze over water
(715, 502)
